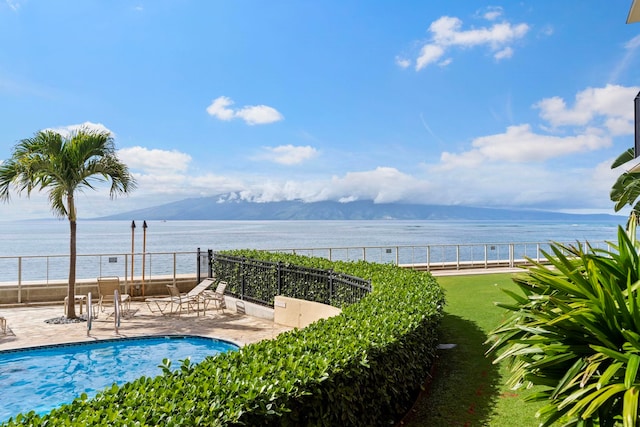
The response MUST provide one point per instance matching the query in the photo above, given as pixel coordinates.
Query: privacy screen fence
(260, 281)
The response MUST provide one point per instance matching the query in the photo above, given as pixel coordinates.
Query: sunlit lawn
(467, 389)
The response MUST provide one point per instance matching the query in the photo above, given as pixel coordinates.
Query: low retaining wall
(53, 292)
(299, 313)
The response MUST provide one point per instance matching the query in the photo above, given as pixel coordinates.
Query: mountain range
(217, 208)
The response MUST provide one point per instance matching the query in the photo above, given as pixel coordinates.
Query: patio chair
(216, 297)
(199, 288)
(106, 288)
(176, 302)
(160, 304)
(3, 325)
(183, 301)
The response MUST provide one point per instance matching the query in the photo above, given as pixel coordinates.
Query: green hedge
(362, 367)
(261, 280)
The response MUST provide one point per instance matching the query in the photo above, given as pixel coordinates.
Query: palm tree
(63, 165)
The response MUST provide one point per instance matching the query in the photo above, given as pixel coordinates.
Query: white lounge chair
(3, 325)
(199, 288)
(216, 297)
(106, 288)
(176, 302)
(160, 304)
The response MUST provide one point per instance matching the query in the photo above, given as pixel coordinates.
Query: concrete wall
(299, 313)
(288, 311)
(34, 293)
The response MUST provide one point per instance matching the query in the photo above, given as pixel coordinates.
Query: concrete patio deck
(26, 326)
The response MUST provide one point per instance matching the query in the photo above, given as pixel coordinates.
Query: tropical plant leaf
(616, 355)
(609, 373)
(569, 379)
(630, 407)
(623, 158)
(632, 370)
(574, 330)
(599, 398)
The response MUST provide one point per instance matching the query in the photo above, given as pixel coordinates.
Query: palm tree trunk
(71, 290)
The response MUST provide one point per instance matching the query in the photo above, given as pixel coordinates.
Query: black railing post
(198, 265)
(242, 277)
(331, 273)
(210, 261)
(279, 276)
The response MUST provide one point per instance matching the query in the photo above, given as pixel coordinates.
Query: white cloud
(446, 33)
(252, 115)
(545, 31)
(492, 13)
(522, 185)
(485, 184)
(155, 182)
(403, 62)
(66, 131)
(445, 62)
(13, 4)
(633, 44)
(613, 103)
(210, 184)
(519, 145)
(520, 167)
(289, 154)
(154, 160)
(270, 190)
(429, 54)
(218, 108)
(507, 52)
(631, 47)
(259, 115)
(598, 115)
(382, 185)
(509, 185)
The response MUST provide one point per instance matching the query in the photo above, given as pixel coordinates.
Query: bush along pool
(362, 367)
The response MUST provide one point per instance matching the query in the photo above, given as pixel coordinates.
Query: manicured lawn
(467, 389)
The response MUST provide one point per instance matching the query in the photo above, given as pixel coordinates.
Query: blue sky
(500, 104)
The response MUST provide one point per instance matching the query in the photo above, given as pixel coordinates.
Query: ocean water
(51, 237)
(38, 250)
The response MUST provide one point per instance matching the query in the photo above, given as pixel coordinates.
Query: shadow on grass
(465, 384)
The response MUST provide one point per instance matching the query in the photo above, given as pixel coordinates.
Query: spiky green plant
(575, 330)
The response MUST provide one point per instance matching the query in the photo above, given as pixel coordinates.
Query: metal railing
(48, 269)
(453, 256)
(260, 282)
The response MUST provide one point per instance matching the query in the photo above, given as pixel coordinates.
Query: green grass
(467, 389)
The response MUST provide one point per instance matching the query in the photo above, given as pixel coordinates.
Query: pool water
(43, 378)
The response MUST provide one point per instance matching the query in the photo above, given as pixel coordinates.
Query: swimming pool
(43, 378)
